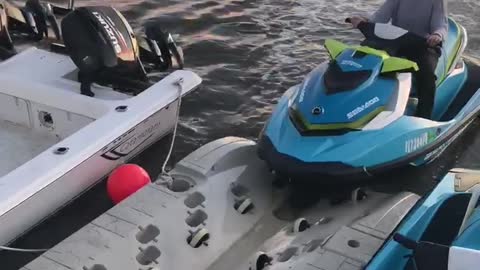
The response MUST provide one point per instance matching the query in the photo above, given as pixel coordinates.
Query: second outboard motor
(6, 44)
(32, 19)
(102, 45)
(42, 13)
(162, 51)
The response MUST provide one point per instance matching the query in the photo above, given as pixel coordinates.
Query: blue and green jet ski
(441, 231)
(352, 115)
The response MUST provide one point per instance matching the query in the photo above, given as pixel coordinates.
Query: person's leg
(427, 62)
(86, 80)
(426, 87)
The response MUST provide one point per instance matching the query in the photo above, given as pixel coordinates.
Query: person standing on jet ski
(426, 18)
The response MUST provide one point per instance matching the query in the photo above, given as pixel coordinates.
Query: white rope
(164, 173)
(23, 249)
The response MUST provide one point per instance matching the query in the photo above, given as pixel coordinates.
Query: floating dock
(222, 212)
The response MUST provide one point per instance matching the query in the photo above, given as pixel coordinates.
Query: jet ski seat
(445, 223)
(453, 217)
(447, 219)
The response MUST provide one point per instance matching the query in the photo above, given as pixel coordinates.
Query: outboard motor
(105, 49)
(101, 44)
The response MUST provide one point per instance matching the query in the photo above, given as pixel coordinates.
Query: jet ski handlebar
(423, 252)
(405, 241)
(389, 37)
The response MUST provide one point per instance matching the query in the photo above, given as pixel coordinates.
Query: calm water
(248, 53)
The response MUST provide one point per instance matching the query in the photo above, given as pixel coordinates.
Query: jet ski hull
(292, 166)
(378, 147)
(446, 218)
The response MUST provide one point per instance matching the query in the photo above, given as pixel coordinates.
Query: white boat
(56, 143)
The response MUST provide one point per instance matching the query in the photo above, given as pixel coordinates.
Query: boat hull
(44, 203)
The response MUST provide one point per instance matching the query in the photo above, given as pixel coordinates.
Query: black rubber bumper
(292, 167)
(287, 165)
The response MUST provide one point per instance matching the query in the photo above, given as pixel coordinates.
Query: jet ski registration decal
(416, 143)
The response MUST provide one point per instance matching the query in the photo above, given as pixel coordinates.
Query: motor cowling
(100, 40)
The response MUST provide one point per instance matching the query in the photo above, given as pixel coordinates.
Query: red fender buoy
(126, 180)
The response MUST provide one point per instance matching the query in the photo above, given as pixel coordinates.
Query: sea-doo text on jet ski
(351, 116)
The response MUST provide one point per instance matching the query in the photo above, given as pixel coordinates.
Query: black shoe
(423, 114)
(88, 93)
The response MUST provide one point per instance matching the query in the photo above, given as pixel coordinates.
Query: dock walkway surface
(221, 211)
